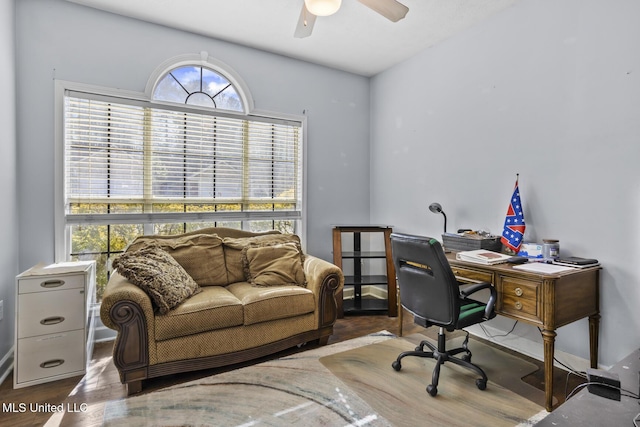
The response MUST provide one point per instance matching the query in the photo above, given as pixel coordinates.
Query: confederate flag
(514, 222)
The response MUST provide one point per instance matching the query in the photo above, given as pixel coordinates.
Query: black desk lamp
(437, 208)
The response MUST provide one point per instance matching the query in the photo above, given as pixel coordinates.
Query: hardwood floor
(102, 382)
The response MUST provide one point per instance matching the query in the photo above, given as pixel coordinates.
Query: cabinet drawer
(520, 298)
(50, 312)
(50, 283)
(50, 355)
(473, 276)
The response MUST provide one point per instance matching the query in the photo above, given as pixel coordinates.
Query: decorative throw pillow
(201, 255)
(154, 271)
(274, 264)
(233, 251)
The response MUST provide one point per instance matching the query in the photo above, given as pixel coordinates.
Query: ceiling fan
(390, 9)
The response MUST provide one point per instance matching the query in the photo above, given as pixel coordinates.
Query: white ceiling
(355, 39)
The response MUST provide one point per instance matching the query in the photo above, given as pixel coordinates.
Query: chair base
(442, 355)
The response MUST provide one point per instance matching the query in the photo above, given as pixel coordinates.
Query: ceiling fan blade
(305, 23)
(390, 9)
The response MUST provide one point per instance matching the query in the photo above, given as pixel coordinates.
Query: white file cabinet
(54, 322)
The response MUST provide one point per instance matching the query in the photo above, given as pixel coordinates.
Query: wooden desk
(548, 301)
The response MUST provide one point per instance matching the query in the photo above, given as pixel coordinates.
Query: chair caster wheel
(396, 365)
(432, 390)
(481, 384)
(466, 357)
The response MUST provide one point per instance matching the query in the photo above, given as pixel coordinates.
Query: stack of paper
(482, 256)
(542, 267)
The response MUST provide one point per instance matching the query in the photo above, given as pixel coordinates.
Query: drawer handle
(51, 363)
(519, 292)
(52, 320)
(52, 283)
(518, 305)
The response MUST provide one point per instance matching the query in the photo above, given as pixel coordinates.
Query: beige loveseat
(239, 310)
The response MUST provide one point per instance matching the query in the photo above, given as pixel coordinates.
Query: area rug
(295, 390)
(298, 390)
(401, 397)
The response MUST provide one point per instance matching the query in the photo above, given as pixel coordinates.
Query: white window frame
(62, 231)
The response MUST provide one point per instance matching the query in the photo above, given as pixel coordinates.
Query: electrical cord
(570, 369)
(580, 374)
(497, 335)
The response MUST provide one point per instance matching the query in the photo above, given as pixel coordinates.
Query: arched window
(198, 85)
(199, 81)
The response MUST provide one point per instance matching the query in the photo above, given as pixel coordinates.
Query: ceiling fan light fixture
(322, 7)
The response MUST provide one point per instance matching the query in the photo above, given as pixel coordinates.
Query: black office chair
(430, 291)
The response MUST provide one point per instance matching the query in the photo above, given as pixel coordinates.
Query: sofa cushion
(233, 251)
(278, 302)
(159, 275)
(213, 308)
(201, 255)
(274, 264)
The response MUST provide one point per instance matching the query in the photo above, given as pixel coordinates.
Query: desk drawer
(470, 275)
(519, 298)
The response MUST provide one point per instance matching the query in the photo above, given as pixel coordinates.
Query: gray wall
(548, 89)
(62, 40)
(8, 213)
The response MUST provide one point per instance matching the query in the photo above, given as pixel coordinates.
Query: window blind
(142, 162)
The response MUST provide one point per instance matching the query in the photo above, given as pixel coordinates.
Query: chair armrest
(325, 280)
(471, 289)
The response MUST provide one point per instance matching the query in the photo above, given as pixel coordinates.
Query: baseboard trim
(531, 348)
(6, 365)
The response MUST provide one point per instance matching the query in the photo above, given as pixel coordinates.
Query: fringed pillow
(156, 272)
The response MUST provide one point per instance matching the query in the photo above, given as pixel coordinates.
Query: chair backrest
(428, 287)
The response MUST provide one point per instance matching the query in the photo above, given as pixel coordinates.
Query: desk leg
(594, 326)
(549, 338)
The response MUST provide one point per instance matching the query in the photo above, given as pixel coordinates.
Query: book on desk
(482, 256)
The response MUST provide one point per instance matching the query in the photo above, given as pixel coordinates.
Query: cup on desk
(550, 249)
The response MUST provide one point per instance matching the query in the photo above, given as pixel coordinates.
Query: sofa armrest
(120, 289)
(127, 309)
(325, 280)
